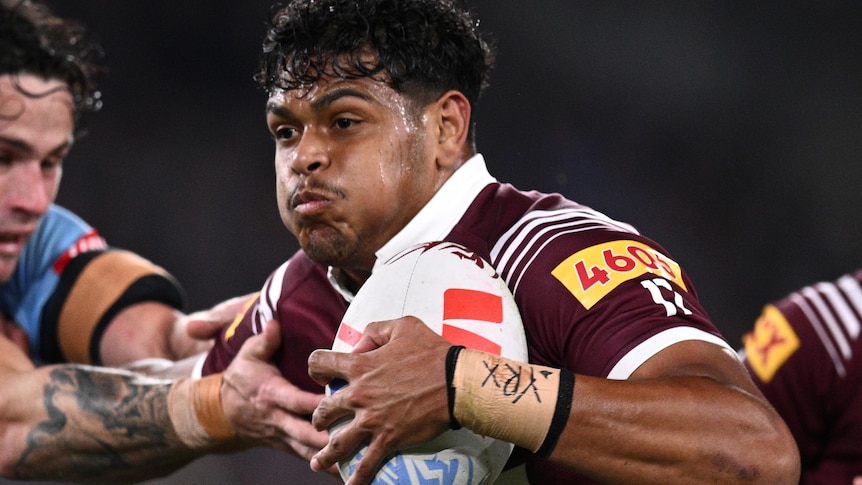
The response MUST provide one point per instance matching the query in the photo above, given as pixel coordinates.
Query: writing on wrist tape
(196, 411)
(523, 403)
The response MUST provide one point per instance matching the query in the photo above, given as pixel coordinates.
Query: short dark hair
(33, 40)
(422, 48)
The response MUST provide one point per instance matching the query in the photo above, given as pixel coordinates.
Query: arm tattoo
(99, 421)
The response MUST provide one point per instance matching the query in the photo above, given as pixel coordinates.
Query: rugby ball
(462, 298)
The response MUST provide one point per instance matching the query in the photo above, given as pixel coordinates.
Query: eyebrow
(25, 147)
(319, 104)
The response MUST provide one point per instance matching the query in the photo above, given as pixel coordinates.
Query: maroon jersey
(804, 354)
(595, 296)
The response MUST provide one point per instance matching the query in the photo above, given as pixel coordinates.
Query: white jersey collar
(439, 216)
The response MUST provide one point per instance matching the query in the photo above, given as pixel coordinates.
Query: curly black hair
(35, 41)
(421, 48)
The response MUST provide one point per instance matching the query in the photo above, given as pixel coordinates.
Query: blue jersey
(69, 284)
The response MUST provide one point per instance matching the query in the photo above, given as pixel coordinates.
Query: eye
(284, 133)
(345, 123)
(51, 165)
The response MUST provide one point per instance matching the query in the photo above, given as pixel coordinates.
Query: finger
(371, 461)
(342, 444)
(330, 410)
(375, 335)
(203, 329)
(262, 346)
(325, 365)
(303, 451)
(207, 324)
(299, 402)
(301, 433)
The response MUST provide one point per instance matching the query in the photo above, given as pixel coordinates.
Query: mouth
(11, 245)
(309, 201)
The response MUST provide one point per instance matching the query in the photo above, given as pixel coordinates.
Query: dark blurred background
(729, 132)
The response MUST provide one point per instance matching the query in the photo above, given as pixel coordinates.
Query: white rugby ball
(462, 298)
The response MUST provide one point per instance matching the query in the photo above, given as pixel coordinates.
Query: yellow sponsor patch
(592, 273)
(238, 318)
(770, 344)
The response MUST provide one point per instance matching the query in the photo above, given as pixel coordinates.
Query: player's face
(35, 136)
(353, 165)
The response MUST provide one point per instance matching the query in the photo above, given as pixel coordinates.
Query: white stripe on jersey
(853, 291)
(269, 296)
(803, 305)
(633, 359)
(817, 298)
(520, 241)
(833, 310)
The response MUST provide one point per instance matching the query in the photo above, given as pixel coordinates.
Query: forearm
(89, 424)
(677, 429)
(708, 433)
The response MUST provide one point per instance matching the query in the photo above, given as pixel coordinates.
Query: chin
(7, 268)
(327, 251)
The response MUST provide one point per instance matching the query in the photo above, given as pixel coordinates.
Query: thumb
(375, 335)
(264, 345)
(202, 328)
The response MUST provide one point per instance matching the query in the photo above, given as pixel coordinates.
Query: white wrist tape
(523, 403)
(196, 412)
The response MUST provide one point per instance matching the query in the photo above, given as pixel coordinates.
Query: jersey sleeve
(299, 296)
(69, 284)
(804, 355)
(95, 286)
(261, 308)
(596, 298)
(604, 303)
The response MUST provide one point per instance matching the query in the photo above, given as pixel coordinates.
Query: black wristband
(451, 360)
(561, 413)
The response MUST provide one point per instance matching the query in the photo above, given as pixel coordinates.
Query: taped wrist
(451, 358)
(522, 403)
(195, 409)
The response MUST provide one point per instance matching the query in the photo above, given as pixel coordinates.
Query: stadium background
(728, 132)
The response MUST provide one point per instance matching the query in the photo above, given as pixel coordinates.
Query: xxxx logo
(771, 343)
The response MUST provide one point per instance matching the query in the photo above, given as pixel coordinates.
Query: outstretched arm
(688, 415)
(82, 423)
(155, 330)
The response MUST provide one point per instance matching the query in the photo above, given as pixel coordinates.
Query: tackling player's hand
(262, 406)
(206, 325)
(396, 394)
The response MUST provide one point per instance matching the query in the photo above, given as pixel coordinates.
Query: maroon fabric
(818, 388)
(533, 234)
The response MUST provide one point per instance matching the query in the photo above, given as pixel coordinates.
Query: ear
(453, 122)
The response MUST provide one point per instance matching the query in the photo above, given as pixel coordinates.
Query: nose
(30, 190)
(311, 154)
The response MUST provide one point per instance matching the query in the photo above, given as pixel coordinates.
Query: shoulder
(291, 276)
(819, 323)
(61, 236)
(60, 224)
(592, 289)
(297, 285)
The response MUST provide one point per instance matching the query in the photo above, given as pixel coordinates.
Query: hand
(194, 333)
(396, 393)
(262, 406)
(207, 324)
